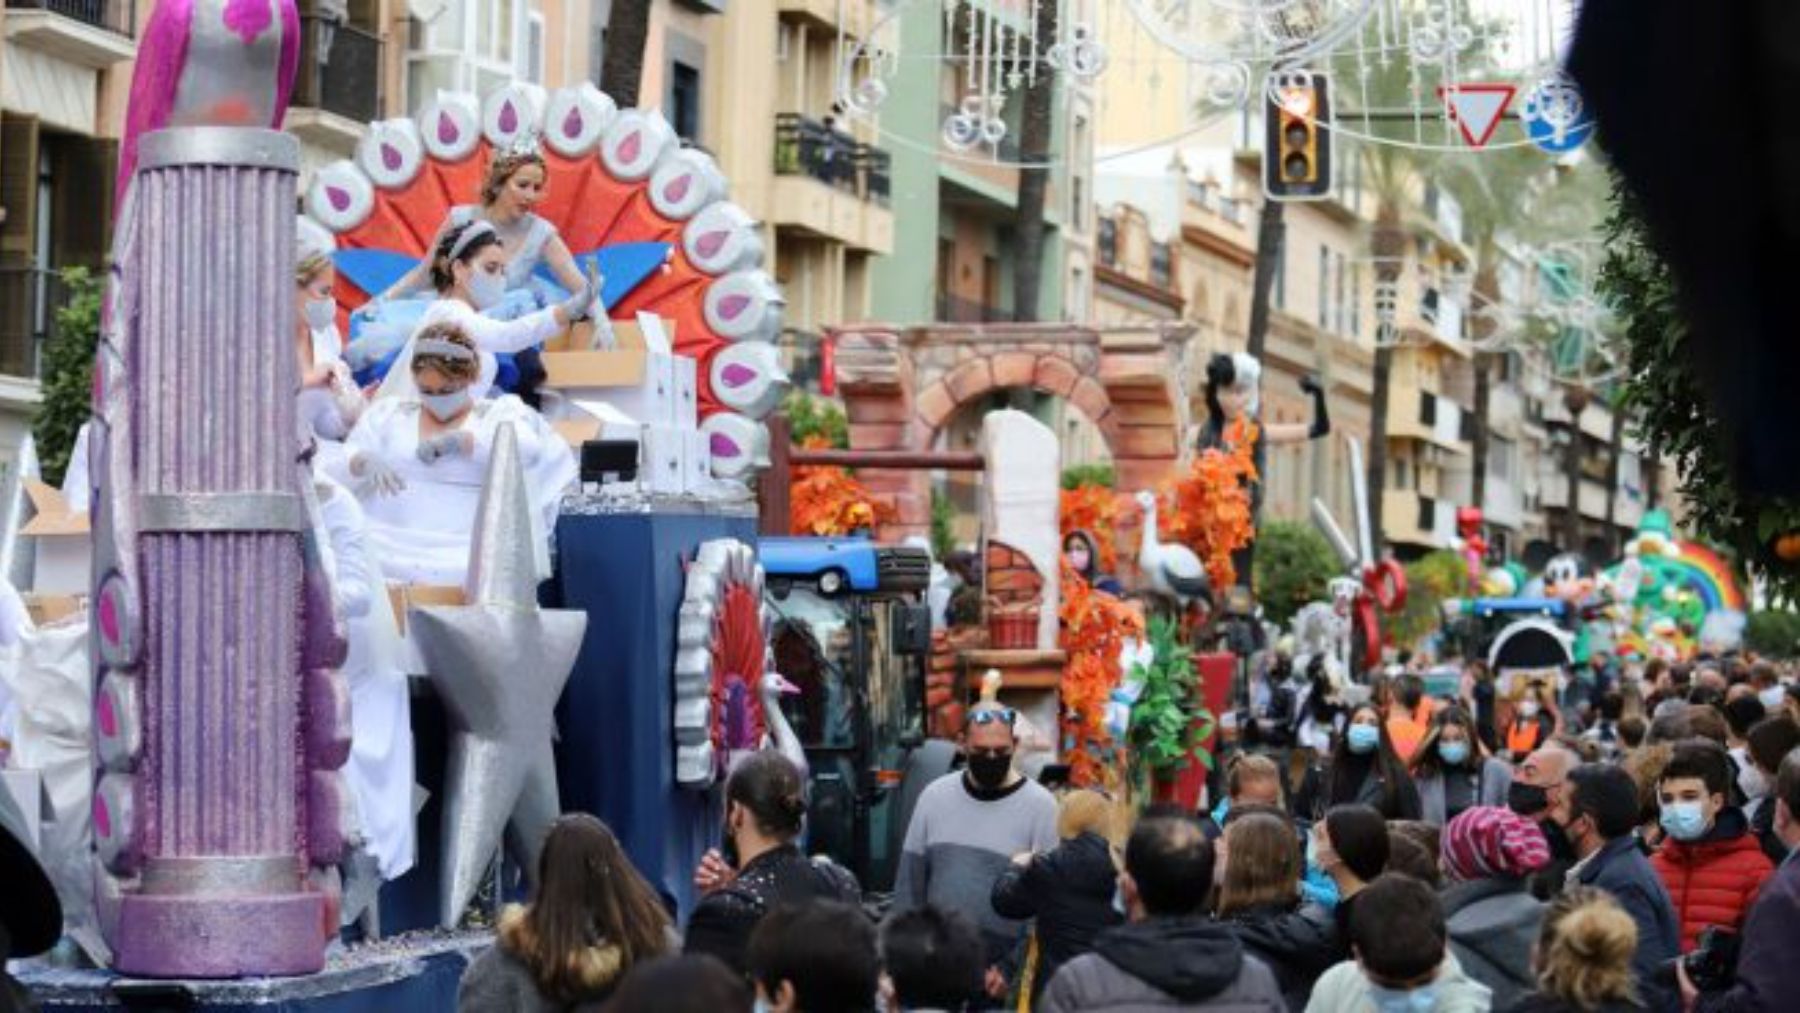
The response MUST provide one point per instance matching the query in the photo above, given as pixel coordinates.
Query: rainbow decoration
(1699, 569)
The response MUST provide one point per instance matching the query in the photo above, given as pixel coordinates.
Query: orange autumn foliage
(1093, 509)
(1094, 628)
(1208, 509)
(827, 501)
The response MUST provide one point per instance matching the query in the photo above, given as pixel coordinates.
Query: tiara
(441, 347)
(475, 228)
(525, 145)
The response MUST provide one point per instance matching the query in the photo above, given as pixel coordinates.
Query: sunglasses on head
(1003, 715)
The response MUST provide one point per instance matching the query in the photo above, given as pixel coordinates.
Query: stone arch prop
(900, 385)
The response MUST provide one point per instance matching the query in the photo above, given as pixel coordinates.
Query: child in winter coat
(1710, 862)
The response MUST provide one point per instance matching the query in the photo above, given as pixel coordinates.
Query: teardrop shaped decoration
(391, 154)
(579, 115)
(723, 238)
(117, 619)
(115, 817)
(739, 446)
(450, 125)
(635, 143)
(687, 180)
(341, 197)
(744, 306)
(747, 378)
(119, 721)
(513, 116)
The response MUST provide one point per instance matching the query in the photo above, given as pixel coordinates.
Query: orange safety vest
(1523, 738)
(1406, 731)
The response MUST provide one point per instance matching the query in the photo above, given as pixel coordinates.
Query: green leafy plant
(1170, 720)
(943, 517)
(1430, 580)
(1293, 565)
(809, 417)
(68, 373)
(1101, 475)
(1773, 633)
(1671, 412)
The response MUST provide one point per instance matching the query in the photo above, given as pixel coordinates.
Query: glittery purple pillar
(219, 790)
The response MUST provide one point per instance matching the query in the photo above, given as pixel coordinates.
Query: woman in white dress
(329, 401)
(380, 768)
(418, 463)
(469, 272)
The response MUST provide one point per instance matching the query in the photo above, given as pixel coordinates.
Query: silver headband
(444, 349)
(475, 229)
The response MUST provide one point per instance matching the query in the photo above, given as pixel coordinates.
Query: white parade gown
(422, 535)
(380, 769)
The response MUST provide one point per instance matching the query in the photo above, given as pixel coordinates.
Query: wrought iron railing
(340, 69)
(117, 16)
(29, 298)
(807, 147)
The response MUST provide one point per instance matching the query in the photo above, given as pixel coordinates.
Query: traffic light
(1297, 152)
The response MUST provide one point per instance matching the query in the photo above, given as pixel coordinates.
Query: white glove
(446, 445)
(377, 475)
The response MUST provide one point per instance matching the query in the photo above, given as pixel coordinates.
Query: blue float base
(412, 975)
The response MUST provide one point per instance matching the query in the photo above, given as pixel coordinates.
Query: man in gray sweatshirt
(967, 827)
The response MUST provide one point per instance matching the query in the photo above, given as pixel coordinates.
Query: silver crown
(527, 143)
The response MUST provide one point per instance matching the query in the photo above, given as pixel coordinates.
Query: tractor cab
(852, 632)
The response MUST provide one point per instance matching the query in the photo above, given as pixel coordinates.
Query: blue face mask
(444, 407)
(1453, 753)
(1684, 821)
(1363, 738)
(1393, 1000)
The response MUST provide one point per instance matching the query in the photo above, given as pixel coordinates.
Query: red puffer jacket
(1714, 880)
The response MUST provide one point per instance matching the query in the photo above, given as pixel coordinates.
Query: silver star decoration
(499, 664)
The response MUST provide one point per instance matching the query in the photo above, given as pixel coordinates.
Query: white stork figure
(1173, 570)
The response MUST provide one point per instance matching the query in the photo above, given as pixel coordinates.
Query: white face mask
(319, 313)
(1528, 708)
(486, 290)
(444, 407)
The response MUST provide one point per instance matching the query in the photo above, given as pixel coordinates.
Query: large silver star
(499, 663)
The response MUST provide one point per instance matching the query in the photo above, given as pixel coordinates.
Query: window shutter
(18, 186)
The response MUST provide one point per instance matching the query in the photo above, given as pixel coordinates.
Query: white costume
(75, 486)
(327, 413)
(422, 534)
(491, 337)
(380, 769)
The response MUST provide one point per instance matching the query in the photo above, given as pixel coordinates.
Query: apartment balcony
(989, 171)
(337, 91)
(955, 309)
(1410, 518)
(29, 298)
(1429, 417)
(1504, 504)
(855, 17)
(831, 185)
(90, 33)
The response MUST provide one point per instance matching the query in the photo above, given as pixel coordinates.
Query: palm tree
(1036, 130)
(622, 69)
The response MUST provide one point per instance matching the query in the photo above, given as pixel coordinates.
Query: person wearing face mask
(760, 868)
(1709, 861)
(1488, 854)
(469, 274)
(966, 829)
(418, 464)
(329, 400)
(1453, 771)
(1599, 813)
(1535, 721)
(1401, 959)
(1363, 768)
(1351, 846)
(1771, 739)
(1536, 792)
(1768, 976)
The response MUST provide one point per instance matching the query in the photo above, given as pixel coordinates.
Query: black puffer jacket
(721, 923)
(1069, 891)
(1299, 943)
(1164, 964)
